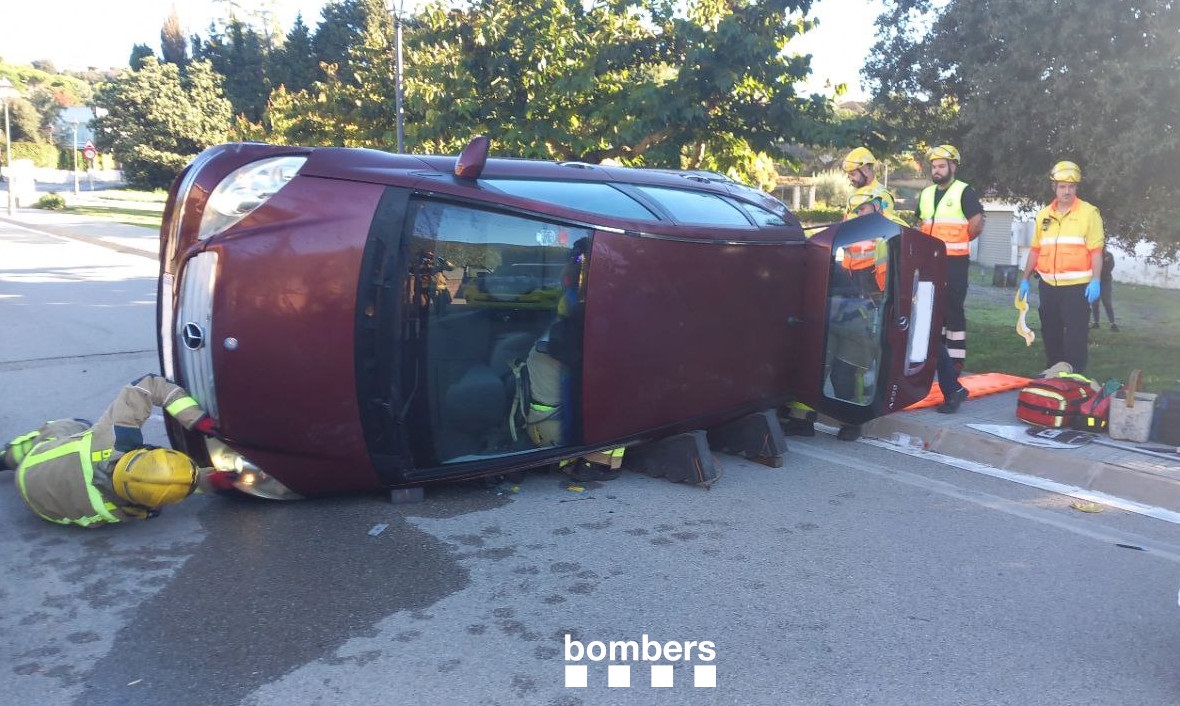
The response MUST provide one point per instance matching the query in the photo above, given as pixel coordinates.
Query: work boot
(583, 471)
(1094, 325)
(798, 427)
(850, 432)
(951, 405)
(1114, 326)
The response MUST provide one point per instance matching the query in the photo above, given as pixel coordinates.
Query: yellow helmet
(154, 477)
(857, 158)
(943, 152)
(1067, 172)
(862, 196)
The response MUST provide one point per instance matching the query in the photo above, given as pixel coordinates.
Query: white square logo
(661, 676)
(704, 675)
(575, 676)
(618, 675)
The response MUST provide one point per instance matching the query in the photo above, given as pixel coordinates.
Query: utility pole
(75, 124)
(397, 40)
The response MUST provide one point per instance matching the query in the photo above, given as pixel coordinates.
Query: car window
(696, 207)
(761, 216)
(583, 196)
(496, 300)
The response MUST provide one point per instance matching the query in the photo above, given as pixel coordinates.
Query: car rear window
(696, 207)
(584, 196)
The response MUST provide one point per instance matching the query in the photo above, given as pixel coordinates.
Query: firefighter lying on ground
(72, 472)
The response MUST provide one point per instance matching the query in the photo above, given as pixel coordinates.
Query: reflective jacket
(947, 222)
(861, 255)
(63, 469)
(1064, 241)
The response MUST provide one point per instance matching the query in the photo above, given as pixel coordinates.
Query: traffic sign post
(89, 152)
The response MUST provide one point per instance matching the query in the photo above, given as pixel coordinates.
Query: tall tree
(159, 119)
(294, 64)
(346, 26)
(173, 46)
(139, 54)
(1021, 84)
(239, 55)
(652, 82)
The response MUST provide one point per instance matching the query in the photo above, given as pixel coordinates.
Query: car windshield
(696, 207)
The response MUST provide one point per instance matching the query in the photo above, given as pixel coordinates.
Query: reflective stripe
(20, 447)
(80, 447)
(1063, 240)
(542, 407)
(100, 456)
(180, 404)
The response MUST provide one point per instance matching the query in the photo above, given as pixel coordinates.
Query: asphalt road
(853, 575)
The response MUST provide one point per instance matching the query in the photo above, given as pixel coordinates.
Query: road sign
(88, 150)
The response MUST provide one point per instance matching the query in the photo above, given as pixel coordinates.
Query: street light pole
(397, 27)
(75, 124)
(7, 93)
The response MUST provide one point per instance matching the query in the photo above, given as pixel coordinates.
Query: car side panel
(677, 331)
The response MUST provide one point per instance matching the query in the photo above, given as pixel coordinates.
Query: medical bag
(1052, 402)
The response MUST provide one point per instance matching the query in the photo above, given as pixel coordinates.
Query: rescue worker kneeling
(74, 473)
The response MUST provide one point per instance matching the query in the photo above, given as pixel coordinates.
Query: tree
(1021, 84)
(159, 119)
(239, 55)
(294, 64)
(636, 81)
(173, 46)
(139, 55)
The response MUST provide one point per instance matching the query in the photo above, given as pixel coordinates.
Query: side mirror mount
(473, 158)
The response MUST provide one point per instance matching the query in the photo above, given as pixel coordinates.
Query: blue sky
(77, 34)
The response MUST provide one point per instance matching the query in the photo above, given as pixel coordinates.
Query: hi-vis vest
(1065, 241)
(56, 481)
(947, 223)
(862, 255)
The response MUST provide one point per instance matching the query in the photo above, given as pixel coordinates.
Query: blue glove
(1023, 290)
(1093, 291)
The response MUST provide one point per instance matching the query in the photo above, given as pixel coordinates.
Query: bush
(832, 188)
(50, 202)
(813, 216)
(43, 155)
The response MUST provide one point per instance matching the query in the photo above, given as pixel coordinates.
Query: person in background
(1067, 254)
(949, 209)
(1107, 295)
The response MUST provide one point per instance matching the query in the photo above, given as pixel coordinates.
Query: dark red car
(360, 320)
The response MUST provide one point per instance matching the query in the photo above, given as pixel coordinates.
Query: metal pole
(397, 25)
(8, 166)
(75, 159)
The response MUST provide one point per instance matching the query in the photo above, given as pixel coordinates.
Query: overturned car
(359, 320)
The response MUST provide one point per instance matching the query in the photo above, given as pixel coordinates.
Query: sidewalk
(1144, 478)
(133, 240)
(1131, 475)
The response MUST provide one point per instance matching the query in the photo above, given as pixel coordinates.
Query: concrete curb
(1148, 483)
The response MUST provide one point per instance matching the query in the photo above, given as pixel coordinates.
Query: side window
(496, 304)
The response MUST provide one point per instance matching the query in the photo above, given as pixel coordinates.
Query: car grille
(194, 330)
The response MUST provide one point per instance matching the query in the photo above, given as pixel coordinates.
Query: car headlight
(248, 478)
(244, 190)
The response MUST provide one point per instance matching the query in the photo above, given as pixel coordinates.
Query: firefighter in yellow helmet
(1067, 254)
(949, 209)
(74, 473)
(860, 166)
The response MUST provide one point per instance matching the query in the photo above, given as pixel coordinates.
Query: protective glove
(1093, 291)
(1022, 292)
(207, 425)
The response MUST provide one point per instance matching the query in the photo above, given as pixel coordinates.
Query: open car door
(873, 321)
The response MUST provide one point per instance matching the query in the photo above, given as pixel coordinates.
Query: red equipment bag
(1052, 402)
(1094, 413)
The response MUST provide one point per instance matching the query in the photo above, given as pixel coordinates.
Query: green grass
(129, 206)
(1148, 339)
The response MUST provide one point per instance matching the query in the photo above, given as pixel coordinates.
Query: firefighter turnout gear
(72, 472)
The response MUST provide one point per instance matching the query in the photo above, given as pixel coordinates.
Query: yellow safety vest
(1064, 242)
(947, 222)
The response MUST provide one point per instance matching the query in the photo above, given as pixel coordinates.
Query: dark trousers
(955, 321)
(1107, 301)
(948, 373)
(1065, 318)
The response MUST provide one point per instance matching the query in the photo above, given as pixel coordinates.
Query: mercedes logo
(192, 336)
